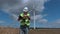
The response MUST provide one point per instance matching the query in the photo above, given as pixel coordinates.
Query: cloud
(46, 24)
(13, 17)
(57, 21)
(43, 20)
(54, 24)
(12, 5)
(1, 21)
(39, 18)
(15, 7)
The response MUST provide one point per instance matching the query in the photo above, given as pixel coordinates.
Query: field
(8, 30)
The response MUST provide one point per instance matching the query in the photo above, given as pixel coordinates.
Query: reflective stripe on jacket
(26, 21)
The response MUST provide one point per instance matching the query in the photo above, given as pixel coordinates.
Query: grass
(9, 30)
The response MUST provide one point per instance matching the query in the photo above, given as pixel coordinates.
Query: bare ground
(4, 30)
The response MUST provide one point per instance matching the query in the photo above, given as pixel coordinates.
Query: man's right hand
(18, 20)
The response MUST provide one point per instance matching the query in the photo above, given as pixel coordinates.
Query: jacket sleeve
(20, 16)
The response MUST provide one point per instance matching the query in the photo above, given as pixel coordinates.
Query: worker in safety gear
(24, 19)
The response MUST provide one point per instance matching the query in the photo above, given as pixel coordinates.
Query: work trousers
(24, 30)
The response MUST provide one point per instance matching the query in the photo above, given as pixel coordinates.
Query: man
(25, 21)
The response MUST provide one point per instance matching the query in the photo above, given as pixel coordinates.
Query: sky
(47, 12)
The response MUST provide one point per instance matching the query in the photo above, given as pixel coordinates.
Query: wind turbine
(34, 14)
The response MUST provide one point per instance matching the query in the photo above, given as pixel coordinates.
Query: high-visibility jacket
(26, 21)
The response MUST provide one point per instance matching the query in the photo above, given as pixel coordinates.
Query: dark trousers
(24, 29)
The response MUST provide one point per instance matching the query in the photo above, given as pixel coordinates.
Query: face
(25, 12)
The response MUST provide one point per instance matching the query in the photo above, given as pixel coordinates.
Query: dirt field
(4, 30)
